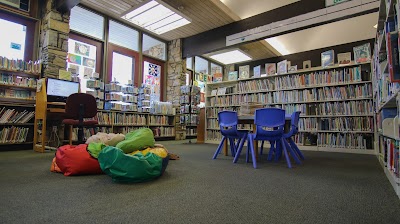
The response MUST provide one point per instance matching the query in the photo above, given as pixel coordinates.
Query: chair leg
(272, 150)
(252, 151)
(219, 148)
(289, 164)
(296, 149)
(292, 152)
(232, 146)
(278, 150)
(239, 149)
(262, 147)
(70, 134)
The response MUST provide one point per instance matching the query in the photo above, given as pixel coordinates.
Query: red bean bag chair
(76, 160)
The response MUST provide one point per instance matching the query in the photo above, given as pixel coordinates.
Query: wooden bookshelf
(350, 87)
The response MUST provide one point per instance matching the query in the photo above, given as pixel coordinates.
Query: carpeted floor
(327, 188)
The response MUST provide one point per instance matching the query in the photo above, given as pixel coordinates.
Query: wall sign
(15, 46)
(333, 2)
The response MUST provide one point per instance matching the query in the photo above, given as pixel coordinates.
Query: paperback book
(218, 77)
(362, 53)
(282, 67)
(327, 58)
(257, 71)
(232, 76)
(307, 64)
(344, 58)
(270, 68)
(244, 72)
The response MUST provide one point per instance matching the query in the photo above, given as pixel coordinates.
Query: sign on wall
(334, 2)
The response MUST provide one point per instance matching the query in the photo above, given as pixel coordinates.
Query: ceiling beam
(226, 10)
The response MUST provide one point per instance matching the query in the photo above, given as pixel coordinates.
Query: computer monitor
(59, 90)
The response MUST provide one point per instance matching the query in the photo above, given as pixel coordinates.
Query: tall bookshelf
(17, 99)
(386, 79)
(336, 105)
(189, 111)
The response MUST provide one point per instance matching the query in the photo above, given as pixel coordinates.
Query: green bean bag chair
(137, 140)
(128, 168)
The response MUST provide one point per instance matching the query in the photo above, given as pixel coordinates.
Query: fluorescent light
(231, 57)
(275, 43)
(156, 17)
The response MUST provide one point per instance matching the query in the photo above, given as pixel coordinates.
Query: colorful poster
(82, 49)
(89, 62)
(87, 72)
(76, 59)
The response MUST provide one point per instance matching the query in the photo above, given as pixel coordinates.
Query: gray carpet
(327, 188)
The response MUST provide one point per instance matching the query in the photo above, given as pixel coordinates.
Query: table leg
(255, 143)
(226, 147)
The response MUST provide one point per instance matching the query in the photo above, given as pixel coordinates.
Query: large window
(122, 65)
(123, 36)
(87, 22)
(152, 76)
(153, 47)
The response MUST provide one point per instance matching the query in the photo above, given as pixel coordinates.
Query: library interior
(222, 111)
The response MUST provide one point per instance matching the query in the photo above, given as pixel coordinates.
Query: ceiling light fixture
(231, 57)
(275, 43)
(156, 17)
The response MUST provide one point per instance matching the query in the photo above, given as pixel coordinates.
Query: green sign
(334, 2)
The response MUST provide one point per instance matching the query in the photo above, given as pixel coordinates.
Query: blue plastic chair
(228, 121)
(274, 119)
(294, 129)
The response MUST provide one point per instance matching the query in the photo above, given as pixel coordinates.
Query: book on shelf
(292, 68)
(257, 71)
(344, 58)
(218, 77)
(362, 53)
(307, 64)
(232, 76)
(282, 67)
(270, 68)
(327, 58)
(244, 72)
(392, 46)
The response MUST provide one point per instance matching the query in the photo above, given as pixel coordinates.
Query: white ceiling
(341, 32)
(248, 8)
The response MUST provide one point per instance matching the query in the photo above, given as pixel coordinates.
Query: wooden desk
(249, 119)
(43, 110)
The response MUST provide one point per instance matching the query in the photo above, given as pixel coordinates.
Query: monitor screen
(61, 88)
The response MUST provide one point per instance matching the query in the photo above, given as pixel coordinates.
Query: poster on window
(75, 59)
(89, 62)
(82, 49)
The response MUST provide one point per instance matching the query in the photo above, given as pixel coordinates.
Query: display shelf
(390, 103)
(388, 136)
(17, 87)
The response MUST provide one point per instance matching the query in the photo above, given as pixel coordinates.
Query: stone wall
(54, 32)
(175, 79)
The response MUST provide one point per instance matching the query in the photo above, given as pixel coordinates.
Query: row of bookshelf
(33, 67)
(163, 131)
(344, 124)
(13, 134)
(12, 80)
(120, 118)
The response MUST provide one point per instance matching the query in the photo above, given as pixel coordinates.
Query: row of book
(117, 96)
(189, 119)
(161, 120)
(158, 107)
(297, 96)
(362, 107)
(13, 134)
(15, 80)
(15, 116)
(337, 124)
(213, 112)
(121, 106)
(190, 90)
(346, 141)
(191, 131)
(34, 67)
(187, 99)
(17, 94)
(189, 108)
(390, 149)
(97, 93)
(129, 119)
(163, 131)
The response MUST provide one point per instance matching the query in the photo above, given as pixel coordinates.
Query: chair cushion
(76, 122)
(75, 160)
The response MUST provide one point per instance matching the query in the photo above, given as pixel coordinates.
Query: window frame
(111, 48)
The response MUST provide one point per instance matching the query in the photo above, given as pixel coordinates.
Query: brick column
(53, 39)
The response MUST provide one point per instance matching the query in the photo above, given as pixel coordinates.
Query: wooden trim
(121, 50)
(162, 78)
(30, 32)
(99, 49)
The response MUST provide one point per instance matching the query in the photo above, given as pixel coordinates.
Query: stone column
(176, 78)
(53, 39)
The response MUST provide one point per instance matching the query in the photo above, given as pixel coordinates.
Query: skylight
(231, 57)
(156, 17)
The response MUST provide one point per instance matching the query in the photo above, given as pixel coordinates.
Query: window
(123, 36)
(201, 65)
(82, 60)
(18, 43)
(189, 63)
(153, 47)
(152, 75)
(13, 45)
(122, 68)
(87, 22)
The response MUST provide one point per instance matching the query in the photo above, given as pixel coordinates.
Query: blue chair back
(294, 124)
(270, 118)
(228, 121)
